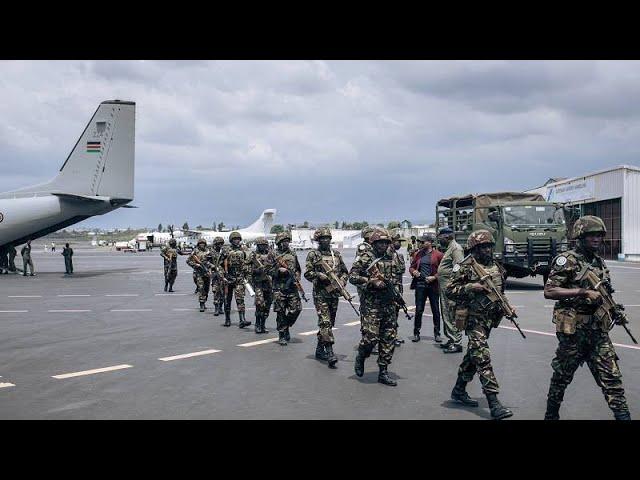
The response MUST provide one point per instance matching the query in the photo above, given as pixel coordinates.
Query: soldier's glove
(376, 283)
(322, 277)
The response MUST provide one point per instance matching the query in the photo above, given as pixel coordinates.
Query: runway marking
(68, 311)
(91, 372)
(123, 295)
(549, 334)
(14, 311)
(259, 342)
(189, 355)
(183, 309)
(24, 296)
(132, 310)
(628, 268)
(171, 294)
(351, 324)
(5, 385)
(73, 295)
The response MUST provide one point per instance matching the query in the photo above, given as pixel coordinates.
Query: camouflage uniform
(235, 259)
(217, 285)
(582, 337)
(259, 265)
(378, 317)
(326, 302)
(401, 268)
(286, 299)
(452, 256)
(170, 256)
(203, 278)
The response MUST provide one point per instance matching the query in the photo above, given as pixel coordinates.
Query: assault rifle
(336, 285)
(495, 295)
(248, 286)
(609, 312)
(292, 278)
(391, 289)
(205, 268)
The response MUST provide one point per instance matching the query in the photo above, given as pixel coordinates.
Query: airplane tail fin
(264, 223)
(101, 163)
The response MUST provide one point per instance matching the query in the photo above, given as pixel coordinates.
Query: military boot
(622, 415)
(256, 327)
(281, 338)
(263, 328)
(460, 395)
(359, 363)
(171, 287)
(243, 323)
(416, 336)
(498, 411)
(216, 309)
(287, 335)
(331, 357)
(553, 411)
(384, 378)
(166, 285)
(320, 353)
(227, 318)
(202, 307)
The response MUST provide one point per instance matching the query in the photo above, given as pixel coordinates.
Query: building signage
(574, 191)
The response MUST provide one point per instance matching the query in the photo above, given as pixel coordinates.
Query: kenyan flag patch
(93, 147)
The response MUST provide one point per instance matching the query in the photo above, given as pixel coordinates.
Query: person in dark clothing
(67, 253)
(424, 269)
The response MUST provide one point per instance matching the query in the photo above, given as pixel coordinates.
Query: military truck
(528, 230)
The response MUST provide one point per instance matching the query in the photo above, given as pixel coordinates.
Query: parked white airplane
(260, 228)
(96, 178)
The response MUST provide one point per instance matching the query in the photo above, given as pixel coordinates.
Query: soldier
(401, 268)
(365, 246)
(67, 253)
(453, 255)
(477, 315)
(286, 299)
(260, 264)
(325, 298)
(170, 256)
(234, 261)
(200, 260)
(582, 336)
(374, 272)
(217, 285)
(12, 258)
(26, 259)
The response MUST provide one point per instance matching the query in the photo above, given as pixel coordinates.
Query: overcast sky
(322, 140)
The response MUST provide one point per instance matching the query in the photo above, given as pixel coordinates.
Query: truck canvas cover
(489, 199)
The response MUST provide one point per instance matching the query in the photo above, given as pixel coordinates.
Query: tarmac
(109, 343)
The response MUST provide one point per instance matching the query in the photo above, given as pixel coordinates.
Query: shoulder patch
(561, 260)
(456, 267)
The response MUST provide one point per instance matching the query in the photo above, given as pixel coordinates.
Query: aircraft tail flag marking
(93, 147)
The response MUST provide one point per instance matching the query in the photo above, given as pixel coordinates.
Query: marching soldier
(401, 268)
(453, 254)
(217, 285)
(170, 256)
(374, 272)
(234, 260)
(582, 334)
(365, 246)
(200, 261)
(286, 299)
(477, 315)
(260, 264)
(325, 297)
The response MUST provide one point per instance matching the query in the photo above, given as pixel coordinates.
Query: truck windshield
(533, 215)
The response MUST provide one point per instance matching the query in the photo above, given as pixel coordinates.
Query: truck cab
(528, 230)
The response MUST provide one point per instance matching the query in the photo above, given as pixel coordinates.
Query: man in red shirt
(424, 269)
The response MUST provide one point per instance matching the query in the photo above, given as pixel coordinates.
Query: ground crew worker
(582, 334)
(12, 258)
(477, 315)
(26, 259)
(401, 268)
(325, 295)
(67, 253)
(234, 261)
(374, 271)
(453, 255)
(286, 298)
(200, 261)
(260, 263)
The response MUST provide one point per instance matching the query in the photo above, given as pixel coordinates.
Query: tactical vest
(388, 268)
(285, 282)
(235, 262)
(263, 260)
(172, 254)
(482, 304)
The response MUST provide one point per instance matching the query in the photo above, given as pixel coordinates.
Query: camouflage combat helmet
(218, 240)
(379, 234)
(262, 241)
(235, 235)
(366, 232)
(588, 224)
(202, 240)
(283, 236)
(321, 232)
(396, 237)
(172, 242)
(478, 238)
